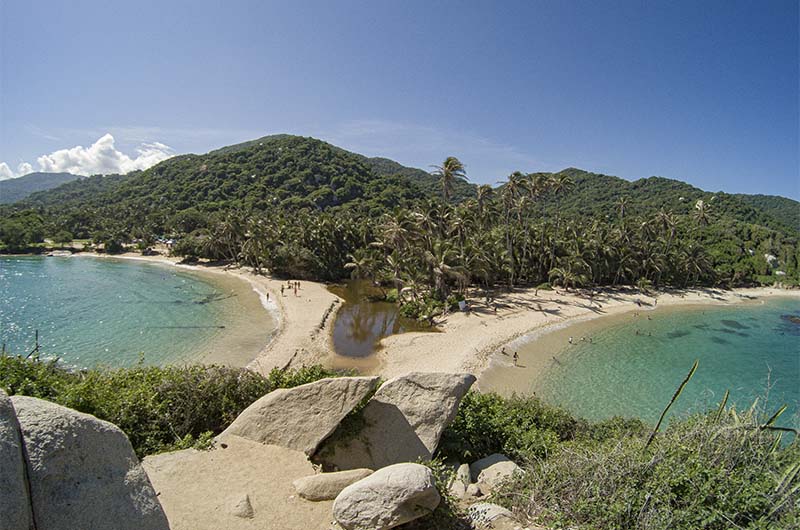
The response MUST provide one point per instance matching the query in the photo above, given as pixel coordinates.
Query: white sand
(467, 341)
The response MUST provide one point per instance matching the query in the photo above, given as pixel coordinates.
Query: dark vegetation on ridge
(13, 190)
(716, 470)
(303, 208)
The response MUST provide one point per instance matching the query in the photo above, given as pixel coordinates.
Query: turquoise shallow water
(747, 349)
(102, 311)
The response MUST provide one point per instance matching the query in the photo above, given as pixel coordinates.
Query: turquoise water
(107, 312)
(753, 350)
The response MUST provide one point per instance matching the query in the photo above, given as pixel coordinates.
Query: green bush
(519, 427)
(392, 296)
(701, 472)
(159, 408)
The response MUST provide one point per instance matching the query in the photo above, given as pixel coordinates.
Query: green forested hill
(281, 171)
(13, 190)
(307, 208)
(780, 208)
(429, 183)
(595, 195)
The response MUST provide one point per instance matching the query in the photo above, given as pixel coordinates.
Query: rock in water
(301, 417)
(83, 472)
(326, 486)
(493, 470)
(402, 422)
(389, 497)
(15, 505)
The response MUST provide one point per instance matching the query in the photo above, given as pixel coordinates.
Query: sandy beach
(468, 342)
(303, 321)
(471, 342)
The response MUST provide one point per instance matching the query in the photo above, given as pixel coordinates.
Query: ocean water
(110, 312)
(633, 366)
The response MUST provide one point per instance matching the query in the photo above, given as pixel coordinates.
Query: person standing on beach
(281, 290)
(516, 358)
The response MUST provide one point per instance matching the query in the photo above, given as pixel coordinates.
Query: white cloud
(5, 171)
(100, 157)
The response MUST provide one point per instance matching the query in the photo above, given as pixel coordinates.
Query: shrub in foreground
(706, 471)
(159, 408)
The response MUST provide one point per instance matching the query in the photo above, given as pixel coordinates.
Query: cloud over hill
(101, 157)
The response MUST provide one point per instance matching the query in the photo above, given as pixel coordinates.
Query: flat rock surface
(204, 490)
(301, 417)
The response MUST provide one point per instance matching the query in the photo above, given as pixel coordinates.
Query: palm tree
(449, 172)
(622, 207)
(701, 213)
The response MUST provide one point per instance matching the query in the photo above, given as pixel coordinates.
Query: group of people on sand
(292, 286)
(516, 355)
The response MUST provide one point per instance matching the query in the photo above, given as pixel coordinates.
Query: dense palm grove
(302, 208)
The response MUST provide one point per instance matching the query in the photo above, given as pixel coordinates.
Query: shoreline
(303, 323)
(467, 342)
(472, 342)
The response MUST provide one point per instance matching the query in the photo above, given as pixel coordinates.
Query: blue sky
(705, 92)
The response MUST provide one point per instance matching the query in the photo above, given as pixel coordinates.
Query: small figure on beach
(503, 351)
(570, 340)
(267, 297)
(590, 340)
(516, 358)
(282, 288)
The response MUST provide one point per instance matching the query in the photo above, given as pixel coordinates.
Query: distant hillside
(429, 183)
(293, 172)
(13, 190)
(280, 170)
(781, 208)
(597, 195)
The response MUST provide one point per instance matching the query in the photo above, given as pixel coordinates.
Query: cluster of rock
(377, 485)
(61, 469)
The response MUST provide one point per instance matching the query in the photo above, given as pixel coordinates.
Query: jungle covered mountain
(307, 209)
(282, 170)
(13, 190)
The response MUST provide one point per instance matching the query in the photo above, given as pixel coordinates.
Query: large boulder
(15, 504)
(402, 422)
(301, 417)
(389, 497)
(492, 471)
(83, 472)
(326, 486)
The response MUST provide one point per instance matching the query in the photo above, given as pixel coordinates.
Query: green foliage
(159, 408)
(278, 378)
(519, 427)
(301, 208)
(702, 472)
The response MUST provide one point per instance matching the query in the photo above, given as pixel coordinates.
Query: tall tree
(449, 172)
